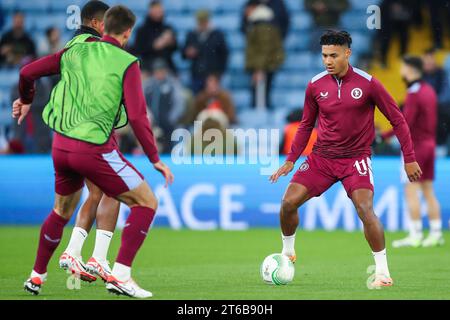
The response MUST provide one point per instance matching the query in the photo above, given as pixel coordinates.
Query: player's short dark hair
(119, 19)
(93, 9)
(414, 61)
(336, 38)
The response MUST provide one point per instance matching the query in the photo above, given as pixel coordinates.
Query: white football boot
(412, 242)
(433, 240)
(99, 268)
(76, 266)
(127, 288)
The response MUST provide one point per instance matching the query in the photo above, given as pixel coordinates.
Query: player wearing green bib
(97, 206)
(96, 78)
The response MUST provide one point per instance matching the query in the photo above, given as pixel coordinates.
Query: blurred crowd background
(230, 63)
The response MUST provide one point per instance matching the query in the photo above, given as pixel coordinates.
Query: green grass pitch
(225, 265)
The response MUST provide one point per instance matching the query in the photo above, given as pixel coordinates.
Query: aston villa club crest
(356, 93)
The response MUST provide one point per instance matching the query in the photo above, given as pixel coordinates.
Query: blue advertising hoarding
(229, 197)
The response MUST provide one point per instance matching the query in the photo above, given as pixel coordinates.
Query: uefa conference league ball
(277, 269)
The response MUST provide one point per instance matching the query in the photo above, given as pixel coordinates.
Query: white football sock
(381, 266)
(436, 227)
(34, 274)
(76, 241)
(288, 244)
(121, 272)
(102, 241)
(415, 229)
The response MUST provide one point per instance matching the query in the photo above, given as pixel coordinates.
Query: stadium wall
(229, 197)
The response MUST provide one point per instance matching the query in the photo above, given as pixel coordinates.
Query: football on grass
(277, 269)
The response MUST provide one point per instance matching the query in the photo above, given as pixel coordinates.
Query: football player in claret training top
(342, 98)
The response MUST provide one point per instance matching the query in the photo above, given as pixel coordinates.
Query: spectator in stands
(264, 52)
(2, 17)
(280, 15)
(223, 141)
(293, 121)
(214, 96)
(437, 77)
(395, 19)
(326, 15)
(16, 44)
(52, 42)
(433, 74)
(207, 49)
(34, 135)
(164, 96)
(155, 39)
(440, 18)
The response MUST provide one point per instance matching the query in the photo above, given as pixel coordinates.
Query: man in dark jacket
(16, 44)
(207, 49)
(155, 39)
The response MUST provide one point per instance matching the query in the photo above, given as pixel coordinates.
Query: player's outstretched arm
(282, 171)
(45, 66)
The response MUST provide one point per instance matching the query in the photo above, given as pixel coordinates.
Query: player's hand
(282, 171)
(20, 110)
(165, 171)
(413, 171)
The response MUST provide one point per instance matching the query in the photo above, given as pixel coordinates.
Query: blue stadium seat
(295, 99)
(182, 64)
(226, 22)
(33, 5)
(238, 80)
(254, 118)
(135, 5)
(237, 60)
(60, 6)
(289, 80)
(181, 22)
(298, 61)
(447, 64)
(5, 97)
(231, 6)
(185, 77)
(362, 4)
(210, 5)
(294, 5)
(9, 5)
(181, 38)
(241, 99)
(297, 41)
(361, 42)
(41, 22)
(235, 40)
(8, 78)
(354, 20)
(174, 6)
(301, 21)
(288, 98)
